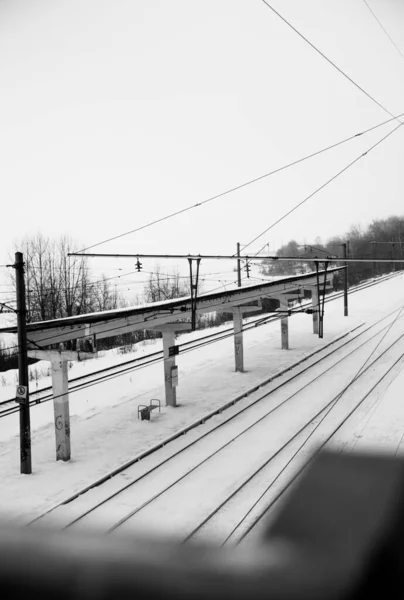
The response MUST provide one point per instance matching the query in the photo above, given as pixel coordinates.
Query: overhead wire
(328, 59)
(122, 287)
(317, 249)
(383, 28)
(100, 282)
(242, 185)
(338, 174)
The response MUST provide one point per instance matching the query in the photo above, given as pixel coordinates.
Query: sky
(114, 113)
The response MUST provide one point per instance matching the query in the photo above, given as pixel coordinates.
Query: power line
(385, 31)
(129, 286)
(327, 59)
(88, 286)
(242, 185)
(249, 257)
(320, 188)
(311, 248)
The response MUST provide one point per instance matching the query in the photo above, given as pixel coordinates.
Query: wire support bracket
(193, 289)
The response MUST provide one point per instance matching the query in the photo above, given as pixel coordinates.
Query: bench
(144, 410)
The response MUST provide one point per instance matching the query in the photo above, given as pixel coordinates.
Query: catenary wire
(327, 59)
(321, 188)
(242, 185)
(384, 29)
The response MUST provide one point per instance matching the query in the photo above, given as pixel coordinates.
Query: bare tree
(59, 285)
(165, 286)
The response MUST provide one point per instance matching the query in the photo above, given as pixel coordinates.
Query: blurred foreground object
(339, 534)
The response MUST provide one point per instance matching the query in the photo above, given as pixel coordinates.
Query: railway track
(8, 407)
(255, 518)
(210, 470)
(257, 497)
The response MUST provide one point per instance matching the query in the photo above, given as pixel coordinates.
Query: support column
(345, 281)
(169, 363)
(315, 308)
(59, 360)
(284, 327)
(238, 312)
(238, 338)
(60, 387)
(170, 350)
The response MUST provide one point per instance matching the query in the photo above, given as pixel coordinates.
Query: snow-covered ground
(178, 489)
(104, 424)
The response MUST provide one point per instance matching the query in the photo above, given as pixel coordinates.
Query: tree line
(389, 233)
(59, 286)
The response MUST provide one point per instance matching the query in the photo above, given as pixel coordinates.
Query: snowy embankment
(105, 431)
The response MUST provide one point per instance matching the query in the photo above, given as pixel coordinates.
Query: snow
(106, 431)
(199, 480)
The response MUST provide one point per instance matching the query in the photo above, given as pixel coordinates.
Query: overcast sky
(116, 112)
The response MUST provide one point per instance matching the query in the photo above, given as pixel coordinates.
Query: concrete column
(169, 362)
(315, 307)
(284, 328)
(238, 338)
(238, 312)
(60, 387)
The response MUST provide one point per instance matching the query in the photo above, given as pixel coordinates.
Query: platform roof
(147, 316)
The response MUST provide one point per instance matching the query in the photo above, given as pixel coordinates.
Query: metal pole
(238, 266)
(25, 425)
(374, 260)
(345, 281)
(320, 330)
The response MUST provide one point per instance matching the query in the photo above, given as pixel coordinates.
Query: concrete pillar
(169, 363)
(170, 370)
(238, 312)
(59, 360)
(60, 387)
(315, 307)
(284, 327)
(238, 338)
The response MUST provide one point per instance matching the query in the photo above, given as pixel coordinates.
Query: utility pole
(22, 388)
(345, 247)
(375, 270)
(238, 266)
